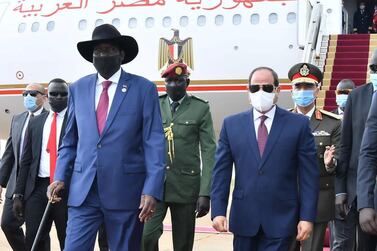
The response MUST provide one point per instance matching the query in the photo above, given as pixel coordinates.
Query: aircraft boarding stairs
(344, 56)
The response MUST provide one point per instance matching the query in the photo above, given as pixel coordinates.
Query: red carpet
(350, 60)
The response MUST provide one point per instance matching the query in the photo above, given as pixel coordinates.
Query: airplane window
(291, 17)
(149, 22)
(237, 19)
(21, 28)
(132, 23)
(201, 20)
(219, 20)
(82, 24)
(99, 22)
(254, 19)
(50, 25)
(184, 21)
(273, 18)
(166, 21)
(116, 22)
(35, 27)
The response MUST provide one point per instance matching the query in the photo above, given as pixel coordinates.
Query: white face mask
(262, 101)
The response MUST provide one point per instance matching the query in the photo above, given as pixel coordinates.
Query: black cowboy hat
(107, 33)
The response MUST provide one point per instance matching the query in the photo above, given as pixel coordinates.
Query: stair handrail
(312, 34)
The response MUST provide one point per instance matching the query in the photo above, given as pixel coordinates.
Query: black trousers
(348, 235)
(12, 227)
(34, 209)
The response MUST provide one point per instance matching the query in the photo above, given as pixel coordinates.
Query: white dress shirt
(179, 101)
(112, 88)
(268, 122)
(340, 112)
(309, 114)
(44, 165)
(25, 126)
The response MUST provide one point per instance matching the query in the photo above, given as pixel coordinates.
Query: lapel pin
(124, 88)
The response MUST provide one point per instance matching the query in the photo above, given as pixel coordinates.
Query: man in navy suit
(276, 175)
(115, 142)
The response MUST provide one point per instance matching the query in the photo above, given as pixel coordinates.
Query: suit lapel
(118, 99)
(250, 132)
(182, 107)
(314, 123)
(19, 126)
(165, 108)
(273, 136)
(39, 132)
(62, 132)
(368, 100)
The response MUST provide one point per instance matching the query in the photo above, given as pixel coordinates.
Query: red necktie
(103, 106)
(52, 148)
(262, 134)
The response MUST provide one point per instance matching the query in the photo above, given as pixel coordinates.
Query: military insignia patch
(304, 71)
(178, 70)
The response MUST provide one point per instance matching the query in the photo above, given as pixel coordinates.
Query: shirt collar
(340, 111)
(60, 114)
(270, 114)
(179, 101)
(38, 112)
(114, 78)
(309, 114)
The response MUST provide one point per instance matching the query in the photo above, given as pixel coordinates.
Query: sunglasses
(32, 93)
(265, 87)
(373, 67)
(344, 91)
(55, 94)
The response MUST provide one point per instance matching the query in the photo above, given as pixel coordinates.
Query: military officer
(326, 128)
(190, 148)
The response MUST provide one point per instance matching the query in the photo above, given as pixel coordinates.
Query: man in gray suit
(34, 98)
(355, 115)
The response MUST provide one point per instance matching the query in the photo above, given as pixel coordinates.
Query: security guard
(326, 128)
(190, 148)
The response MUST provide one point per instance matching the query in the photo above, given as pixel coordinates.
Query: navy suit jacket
(128, 158)
(367, 169)
(272, 192)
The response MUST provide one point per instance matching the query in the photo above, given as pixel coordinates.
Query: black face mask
(176, 91)
(58, 105)
(107, 65)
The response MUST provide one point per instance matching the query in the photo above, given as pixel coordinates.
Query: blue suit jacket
(266, 192)
(128, 157)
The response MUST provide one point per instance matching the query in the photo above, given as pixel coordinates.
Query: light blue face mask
(373, 79)
(341, 100)
(303, 98)
(30, 103)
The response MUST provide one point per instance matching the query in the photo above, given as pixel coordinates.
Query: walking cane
(41, 225)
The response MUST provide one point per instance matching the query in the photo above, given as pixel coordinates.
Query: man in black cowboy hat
(115, 142)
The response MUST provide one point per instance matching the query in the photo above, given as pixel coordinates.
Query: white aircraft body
(229, 38)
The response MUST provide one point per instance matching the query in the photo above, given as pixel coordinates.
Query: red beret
(176, 69)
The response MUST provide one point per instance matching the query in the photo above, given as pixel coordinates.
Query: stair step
(358, 48)
(340, 68)
(349, 55)
(345, 74)
(346, 61)
(352, 36)
(350, 42)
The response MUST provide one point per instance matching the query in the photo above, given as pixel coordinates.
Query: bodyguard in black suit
(346, 224)
(37, 167)
(343, 89)
(367, 173)
(34, 98)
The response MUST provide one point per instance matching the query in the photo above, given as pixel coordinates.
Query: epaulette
(330, 114)
(163, 95)
(202, 100)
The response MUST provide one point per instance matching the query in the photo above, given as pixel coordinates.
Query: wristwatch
(18, 196)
